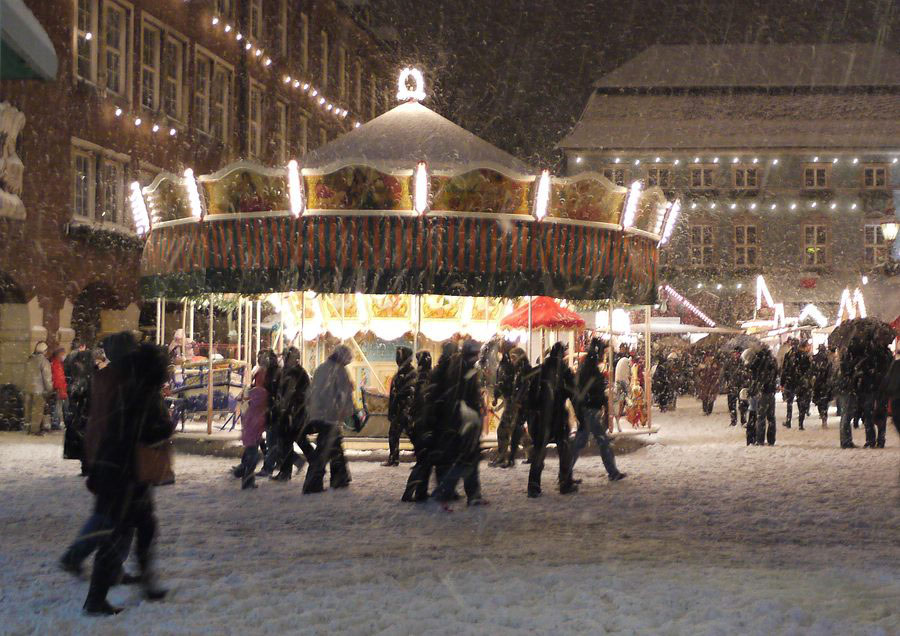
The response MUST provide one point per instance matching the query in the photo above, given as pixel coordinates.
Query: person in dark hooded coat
(400, 402)
(851, 381)
(878, 363)
(80, 372)
(664, 383)
(790, 378)
(763, 384)
(290, 408)
(890, 390)
(459, 441)
(591, 409)
(803, 382)
(554, 385)
(269, 361)
(329, 403)
(139, 417)
(734, 376)
(822, 382)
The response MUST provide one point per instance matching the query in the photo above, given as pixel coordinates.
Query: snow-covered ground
(705, 536)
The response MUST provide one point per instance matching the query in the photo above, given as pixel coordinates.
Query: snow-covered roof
(407, 134)
(757, 65)
(755, 120)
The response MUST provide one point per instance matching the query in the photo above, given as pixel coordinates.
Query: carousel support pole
(248, 330)
(611, 357)
(258, 326)
(530, 327)
(209, 379)
(418, 323)
(183, 327)
(162, 334)
(240, 329)
(303, 328)
(647, 384)
(157, 322)
(191, 322)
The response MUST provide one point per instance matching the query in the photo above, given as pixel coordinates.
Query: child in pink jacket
(253, 423)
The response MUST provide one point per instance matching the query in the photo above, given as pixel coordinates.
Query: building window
(702, 176)
(876, 247)
(112, 188)
(83, 184)
(86, 40)
(616, 175)
(815, 244)
(149, 67)
(256, 18)
(115, 39)
(304, 42)
(281, 28)
(324, 59)
(745, 177)
(202, 74)
(172, 68)
(219, 103)
(303, 137)
(745, 245)
(254, 121)
(816, 177)
(875, 177)
(357, 87)
(323, 136)
(281, 142)
(659, 176)
(225, 8)
(343, 73)
(373, 97)
(701, 245)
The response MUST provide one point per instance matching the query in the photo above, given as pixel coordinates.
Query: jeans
(735, 404)
(848, 403)
(867, 409)
(329, 452)
(89, 538)
(788, 397)
(591, 421)
(461, 463)
(803, 400)
(765, 414)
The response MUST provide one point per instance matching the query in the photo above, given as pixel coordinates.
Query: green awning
(26, 51)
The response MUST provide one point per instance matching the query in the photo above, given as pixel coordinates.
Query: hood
(291, 357)
(423, 360)
(342, 355)
(448, 349)
(149, 364)
(557, 351)
(403, 356)
(118, 345)
(470, 350)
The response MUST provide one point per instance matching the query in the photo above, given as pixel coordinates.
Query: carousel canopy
(406, 135)
(546, 313)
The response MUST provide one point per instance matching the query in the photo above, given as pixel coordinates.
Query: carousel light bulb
(865, 280)
(694, 206)
(239, 37)
(816, 159)
(774, 162)
(895, 160)
(677, 161)
(321, 101)
(227, 28)
(715, 160)
(258, 53)
(139, 210)
(853, 207)
(696, 159)
(356, 124)
(295, 189)
(657, 160)
(248, 46)
(296, 84)
(755, 159)
(719, 286)
(813, 204)
(734, 160)
(773, 206)
(155, 128)
(421, 187)
(193, 194)
(137, 121)
(631, 204)
(328, 107)
(670, 221)
(306, 86)
(855, 160)
(637, 162)
(835, 160)
(739, 285)
(118, 112)
(268, 61)
(577, 159)
(171, 132)
(752, 206)
(617, 160)
(287, 79)
(215, 21)
(733, 206)
(833, 206)
(314, 92)
(89, 36)
(712, 206)
(404, 93)
(793, 206)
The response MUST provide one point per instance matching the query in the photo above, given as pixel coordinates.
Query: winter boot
(618, 477)
(151, 588)
(248, 482)
(96, 603)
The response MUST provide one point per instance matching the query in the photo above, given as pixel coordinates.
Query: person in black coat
(592, 409)
(290, 409)
(803, 382)
(665, 384)
(790, 378)
(878, 362)
(890, 390)
(80, 370)
(763, 384)
(504, 390)
(272, 451)
(850, 385)
(139, 417)
(822, 380)
(734, 376)
(459, 434)
(554, 386)
(400, 402)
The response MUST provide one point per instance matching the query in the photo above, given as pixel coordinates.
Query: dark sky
(518, 72)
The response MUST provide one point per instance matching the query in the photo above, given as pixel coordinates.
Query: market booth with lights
(406, 227)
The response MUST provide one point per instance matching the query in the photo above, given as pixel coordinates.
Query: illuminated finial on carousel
(417, 92)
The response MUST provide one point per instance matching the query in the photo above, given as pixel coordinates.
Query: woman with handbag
(133, 455)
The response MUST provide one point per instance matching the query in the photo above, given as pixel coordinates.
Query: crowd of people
(863, 379)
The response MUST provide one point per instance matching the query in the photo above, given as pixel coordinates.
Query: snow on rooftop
(407, 134)
(757, 65)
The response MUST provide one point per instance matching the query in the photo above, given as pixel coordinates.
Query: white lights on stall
(421, 188)
(889, 230)
(542, 198)
(190, 184)
(417, 92)
(139, 210)
(631, 205)
(811, 311)
(689, 306)
(671, 218)
(295, 189)
(860, 302)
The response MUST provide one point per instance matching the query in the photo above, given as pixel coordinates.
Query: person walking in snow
(400, 402)
(80, 372)
(763, 384)
(253, 424)
(850, 382)
(622, 386)
(890, 388)
(554, 386)
(734, 377)
(329, 404)
(139, 417)
(290, 409)
(268, 360)
(665, 383)
(514, 379)
(791, 378)
(708, 382)
(879, 362)
(802, 363)
(591, 409)
(461, 394)
(822, 382)
(38, 388)
(59, 405)
(504, 388)
(420, 474)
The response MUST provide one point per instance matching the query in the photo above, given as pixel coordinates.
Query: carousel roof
(406, 135)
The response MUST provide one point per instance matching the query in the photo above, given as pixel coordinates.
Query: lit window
(659, 176)
(256, 18)
(86, 40)
(745, 245)
(114, 39)
(701, 245)
(220, 103)
(817, 176)
(112, 188)
(83, 184)
(876, 248)
(815, 244)
(702, 176)
(875, 177)
(150, 67)
(202, 75)
(357, 87)
(745, 177)
(616, 175)
(172, 63)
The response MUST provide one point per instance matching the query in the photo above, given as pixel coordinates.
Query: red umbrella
(545, 314)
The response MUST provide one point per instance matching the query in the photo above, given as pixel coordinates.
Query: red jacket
(59, 378)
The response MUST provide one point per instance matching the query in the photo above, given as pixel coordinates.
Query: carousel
(405, 230)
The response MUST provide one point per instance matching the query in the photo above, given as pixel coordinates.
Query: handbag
(154, 463)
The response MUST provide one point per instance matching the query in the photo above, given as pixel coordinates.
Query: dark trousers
(249, 460)
(708, 403)
(803, 400)
(867, 408)
(595, 422)
(398, 427)
(735, 404)
(460, 461)
(131, 513)
(849, 405)
(895, 414)
(788, 397)
(420, 475)
(540, 438)
(822, 406)
(511, 434)
(765, 419)
(90, 537)
(329, 451)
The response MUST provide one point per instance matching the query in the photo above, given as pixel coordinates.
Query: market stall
(408, 213)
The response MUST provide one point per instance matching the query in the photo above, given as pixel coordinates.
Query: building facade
(785, 158)
(146, 86)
